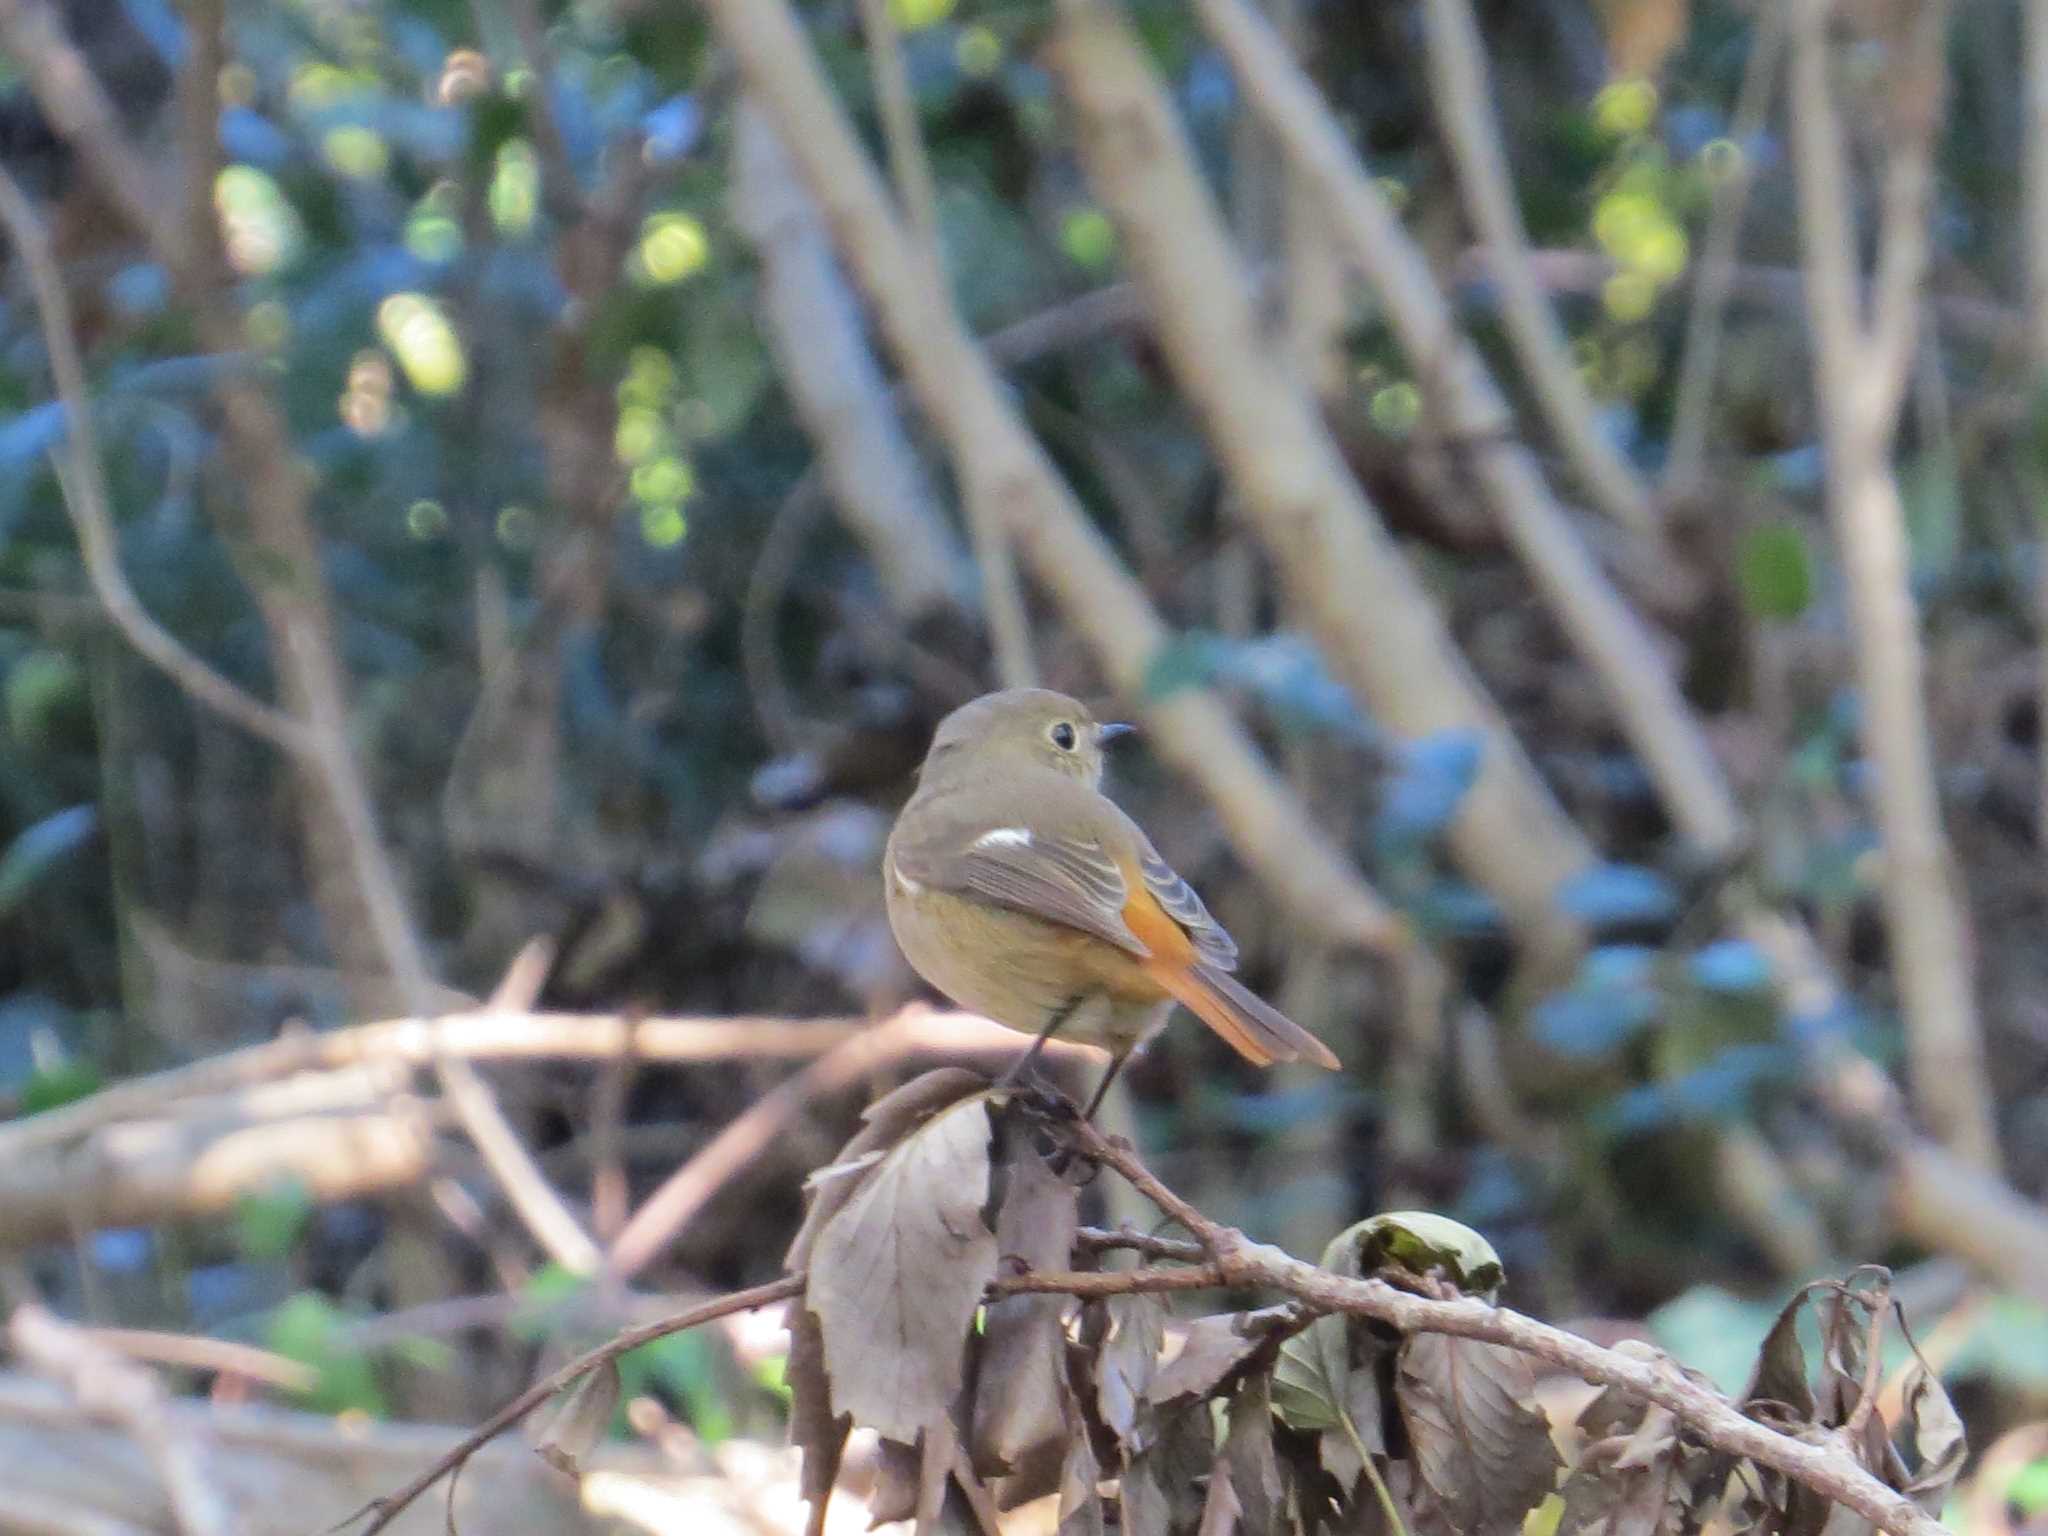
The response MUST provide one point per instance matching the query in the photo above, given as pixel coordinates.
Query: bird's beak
(1109, 730)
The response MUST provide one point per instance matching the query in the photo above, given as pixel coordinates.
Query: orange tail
(1257, 1031)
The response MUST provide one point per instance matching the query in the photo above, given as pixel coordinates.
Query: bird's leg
(1017, 1073)
(1116, 1065)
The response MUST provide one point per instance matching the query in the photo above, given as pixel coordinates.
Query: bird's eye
(1063, 736)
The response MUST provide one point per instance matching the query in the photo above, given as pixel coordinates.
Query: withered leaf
(897, 1273)
(580, 1420)
(1221, 1509)
(1162, 1482)
(1845, 1319)
(1935, 1446)
(1254, 1468)
(814, 1428)
(1482, 1450)
(1021, 1371)
(886, 1122)
(1129, 1360)
(1214, 1347)
(1780, 1374)
(1633, 1482)
(1080, 1508)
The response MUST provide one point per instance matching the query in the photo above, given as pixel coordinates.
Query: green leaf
(1423, 1242)
(64, 1082)
(1774, 570)
(268, 1222)
(308, 1328)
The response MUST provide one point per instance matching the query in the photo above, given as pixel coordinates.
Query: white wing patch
(1003, 837)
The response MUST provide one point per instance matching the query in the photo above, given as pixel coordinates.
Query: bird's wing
(1212, 942)
(1062, 878)
(1073, 878)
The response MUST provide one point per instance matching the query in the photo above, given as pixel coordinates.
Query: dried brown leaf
(1021, 1372)
(814, 1429)
(897, 1273)
(581, 1420)
(1633, 1482)
(1080, 1507)
(1254, 1468)
(1481, 1448)
(1935, 1446)
(1221, 1509)
(1129, 1361)
(1162, 1482)
(1780, 1374)
(1214, 1348)
(886, 1122)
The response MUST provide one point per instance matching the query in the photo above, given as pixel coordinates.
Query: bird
(1020, 890)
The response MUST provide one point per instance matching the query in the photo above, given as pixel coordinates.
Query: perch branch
(1603, 627)
(1462, 96)
(1858, 403)
(965, 400)
(1235, 1261)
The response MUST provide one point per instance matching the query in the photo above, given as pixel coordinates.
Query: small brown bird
(1021, 891)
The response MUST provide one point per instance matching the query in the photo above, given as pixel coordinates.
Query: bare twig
(1716, 267)
(1463, 100)
(1857, 377)
(387, 1509)
(125, 1393)
(1702, 1409)
(964, 399)
(1602, 626)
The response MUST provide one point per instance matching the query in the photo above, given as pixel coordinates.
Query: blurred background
(1559, 485)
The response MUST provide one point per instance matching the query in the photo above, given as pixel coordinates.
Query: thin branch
(1234, 1261)
(86, 500)
(1716, 268)
(1602, 626)
(1858, 396)
(1241, 1261)
(1915, 84)
(968, 405)
(1463, 99)
(387, 1509)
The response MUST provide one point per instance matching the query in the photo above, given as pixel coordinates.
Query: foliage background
(622, 670)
